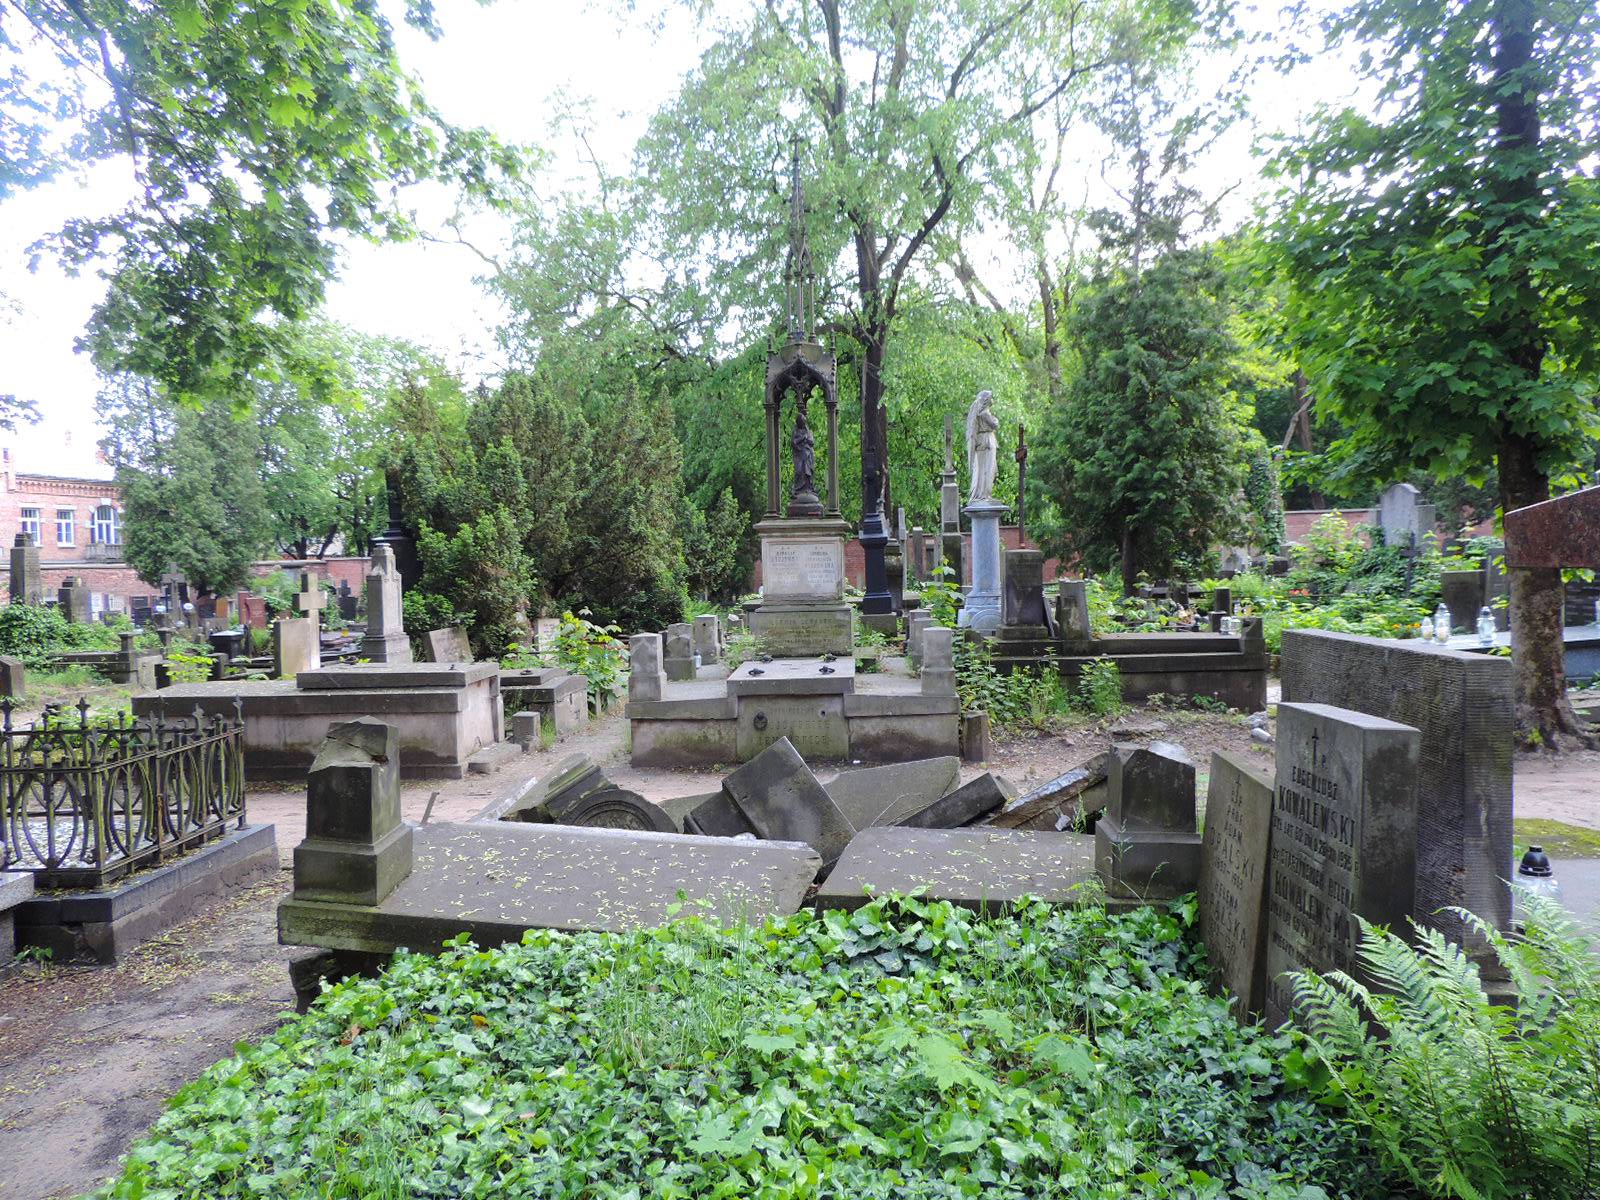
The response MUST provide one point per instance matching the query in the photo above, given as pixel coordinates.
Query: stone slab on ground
(974, 799)
(794, 677)
(779, 796)
(1050, 799)
(894, 794)
(983, 869)
(491, 758)
(496, 881)
(15, 887)
(103, 925)
(363, 676)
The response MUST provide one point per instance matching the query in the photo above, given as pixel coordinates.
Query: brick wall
(50, 496)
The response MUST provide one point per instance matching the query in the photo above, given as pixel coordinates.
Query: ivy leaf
(942, 1062)
(1073, 1058)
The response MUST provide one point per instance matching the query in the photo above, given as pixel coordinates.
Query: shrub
(31, 632)
(1465, 1098)
(1100, 687)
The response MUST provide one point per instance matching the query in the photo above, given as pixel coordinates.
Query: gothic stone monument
(385, 640)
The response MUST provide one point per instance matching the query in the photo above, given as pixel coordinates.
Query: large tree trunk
(1130, 562)
(1052, 332)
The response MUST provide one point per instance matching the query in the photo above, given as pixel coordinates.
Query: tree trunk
(1130, 563)
(1052, 332)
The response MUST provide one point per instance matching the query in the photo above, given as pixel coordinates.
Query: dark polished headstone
(1564, 532)
(1344, 842)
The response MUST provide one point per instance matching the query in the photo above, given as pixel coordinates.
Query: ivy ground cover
(908, 1049)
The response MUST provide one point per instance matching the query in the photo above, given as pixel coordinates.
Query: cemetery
(838, 600)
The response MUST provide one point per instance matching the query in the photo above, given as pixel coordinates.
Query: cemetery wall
(1297, 522)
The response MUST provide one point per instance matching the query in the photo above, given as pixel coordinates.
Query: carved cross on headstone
(309, 602)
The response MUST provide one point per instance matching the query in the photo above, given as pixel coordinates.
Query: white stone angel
(983, 447)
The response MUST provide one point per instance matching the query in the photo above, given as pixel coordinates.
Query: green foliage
(1100, 687)
(1263, 493)
(740, 648)
(35, 633)
(715, 547)
(1466, 1098)
(1142, 458)
(260, 135)
(422, 611)
(593, 651)
(941, 595)
(907, 1050)
(482, 560)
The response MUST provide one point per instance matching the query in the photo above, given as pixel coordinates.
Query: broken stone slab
(1051, 800)
(577, 792)
(776, 793)
(356, 848)
(493, 881)
(893, 794)
(983, 869)
(1152, 787)
(972, 800)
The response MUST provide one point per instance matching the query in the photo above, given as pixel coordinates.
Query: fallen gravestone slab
(493, 881)
(983, 869)
(778, 796)
(970, 801)
(893, 794)
(1048, 801)
(578, 793)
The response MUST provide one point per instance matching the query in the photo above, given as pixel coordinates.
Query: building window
(105, 531)
(66, 527)
(30, 524)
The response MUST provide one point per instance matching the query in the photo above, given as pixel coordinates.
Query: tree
(190, 491)
(715, 548)
(1445, 285)
(1142, 459)
(259, 133)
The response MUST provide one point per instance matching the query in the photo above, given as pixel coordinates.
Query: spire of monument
(800, 285)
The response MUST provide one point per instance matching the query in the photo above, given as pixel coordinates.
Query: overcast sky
(504, 66)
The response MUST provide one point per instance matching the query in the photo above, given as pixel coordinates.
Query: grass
(907, 1049)
(1559, 839)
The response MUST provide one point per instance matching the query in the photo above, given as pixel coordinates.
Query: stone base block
(815, 724)
(887, 623)
(102, 926)
(1145, 864)
(680, 669)
(352, 872)
(693, 742)
(904, 738)
(800, 629)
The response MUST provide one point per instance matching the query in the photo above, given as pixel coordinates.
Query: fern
(1462, 1097)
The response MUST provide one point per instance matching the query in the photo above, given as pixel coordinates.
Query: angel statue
(983, 447)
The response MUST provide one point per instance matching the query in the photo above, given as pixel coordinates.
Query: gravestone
(917, 557)
(1462, 594)
(680, 651)
(1462, 703)
(1344, 841)
(1234, 856)
(348, 602)
(707, 639)
(1023, 603)
(1564, 532)
(973, 799)
(1146, 847)
(938, 660)
(776, 796)
(13, 676)
(309, 601)
(73, 597)
(385, 640)
(1072, 611)
(647, 678)
(449, 645)
(1402, 516)
(894, 794)
(356, 848)
(27, 584)
(917, 620)
(295, 647)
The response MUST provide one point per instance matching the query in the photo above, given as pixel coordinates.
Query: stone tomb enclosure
(1344, 841)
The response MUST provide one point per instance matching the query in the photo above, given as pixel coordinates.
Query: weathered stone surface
(981, 611)
(494, 881)
(794, 677)
(385, 640)
(295, 647)
(612, 807)
(975, 745)
(1022, 602)
(356, 847)
(972, 800)
(1072, 610)
(893, 795)
(800, 628)
(398, 676)
(73, 598)
(1146, 847)
(1343, 840)
(525, 729)
(1234, 856)
(13, 676)
(647, 677)
(1462, 704)
(1055, 797)
(707, 639)
(780, 797)
(1402, 516)
(1564, 532)
(983, 869)
(815, 725)
(27, 585)
(938, 661)
(449, 645)
(1462, 593)
(1152, 787)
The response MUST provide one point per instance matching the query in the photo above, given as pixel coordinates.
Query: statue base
(802, 610)
(981, 611)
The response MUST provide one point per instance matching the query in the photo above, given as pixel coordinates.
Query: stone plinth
(647, 676)
(707, 639)
(27, 585)
(982, 608)
(554, 696)
(356, 847)
(296, 647)
(1344, 841)
(13, 677)
(1146, 847)
(1022, 604)
(802, 610)
(497, 880)
(680, 651)
(442, 714)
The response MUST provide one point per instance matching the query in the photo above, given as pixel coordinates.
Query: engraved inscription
(795, 568)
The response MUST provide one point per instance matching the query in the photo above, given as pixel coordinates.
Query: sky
(506, 66)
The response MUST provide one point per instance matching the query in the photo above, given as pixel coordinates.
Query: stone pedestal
(1072, 611)
(73, 597)
(1146, 847)
(13, 677)
(356, 847)
(802, 609)
(647, 677)
(937, 645)
(27, 587)
(982, 609)
(894, 566)
(295, 646)
(385, 641)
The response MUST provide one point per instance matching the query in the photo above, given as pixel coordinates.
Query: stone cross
(175, 584)
(309, 602)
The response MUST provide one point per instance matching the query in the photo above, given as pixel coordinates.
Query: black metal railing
(83, 803)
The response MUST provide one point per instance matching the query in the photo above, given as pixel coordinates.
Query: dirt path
(89, 1056)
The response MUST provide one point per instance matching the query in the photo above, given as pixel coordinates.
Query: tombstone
(1462, 594)
(1344, 841)
(1145, 846)
(938, 661)
(1234, 854)
(974, 799)
(73, 597)
(356, 848)
(1023, 601)
(27, 584)
(1221, 606)
(1404, 519)
(917, 556)
(975, 744)
(647, 677)
(780, 799)
(707, 639)
(1462, 703)
(449, 645)
(894, 794)
(296, 648)
(348, 605)
(13, 677)
(175, 587)
(680, 651)
(894, 565)
(309, 602)
(1564, 532)
(139, 611)
(917, 620)
(385, 640)
(1072, 611)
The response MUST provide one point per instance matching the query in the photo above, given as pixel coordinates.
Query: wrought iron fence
(83, 803)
